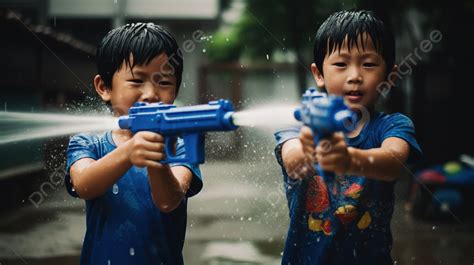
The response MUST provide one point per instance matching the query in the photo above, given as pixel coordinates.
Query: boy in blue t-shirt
(346, 219)
(135, 206)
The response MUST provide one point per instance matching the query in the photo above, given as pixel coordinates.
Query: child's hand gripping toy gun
(189, 123)
(325, 115)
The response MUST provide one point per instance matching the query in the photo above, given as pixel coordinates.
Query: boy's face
(154, 82)
(353, 74)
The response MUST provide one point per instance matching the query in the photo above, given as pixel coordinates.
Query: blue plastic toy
(189, 123)
(325, 115)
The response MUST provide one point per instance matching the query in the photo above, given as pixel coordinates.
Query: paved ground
(240, 217)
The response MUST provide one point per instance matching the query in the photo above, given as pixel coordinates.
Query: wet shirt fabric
(344, 219)
(123, 225)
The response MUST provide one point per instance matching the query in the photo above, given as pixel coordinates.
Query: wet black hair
(332, 33)
(145, 41)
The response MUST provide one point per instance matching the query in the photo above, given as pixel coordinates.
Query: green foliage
(266, 26)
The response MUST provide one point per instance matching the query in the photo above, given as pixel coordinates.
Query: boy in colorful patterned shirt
(346, 219)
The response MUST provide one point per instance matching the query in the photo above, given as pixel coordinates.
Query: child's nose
(354, 76)
(150, 94)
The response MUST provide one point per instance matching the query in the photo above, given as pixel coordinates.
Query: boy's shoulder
(384, 121)
(400, 126)
(91, 138)
(98, 144)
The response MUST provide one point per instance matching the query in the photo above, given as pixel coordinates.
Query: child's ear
(101, 88)
(318, 76)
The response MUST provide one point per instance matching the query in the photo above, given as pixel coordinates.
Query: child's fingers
(326, 163)
(336, 138)
(334, 163)
(151, 136)
(333, 144)
(310, 152)
(154, 146)
(153, 164)
(324, 146)
(306, 136)
(154, 156)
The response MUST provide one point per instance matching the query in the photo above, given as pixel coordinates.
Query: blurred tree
(286, 25)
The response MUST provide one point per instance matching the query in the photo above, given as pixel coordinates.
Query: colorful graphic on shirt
(353, 191)
(346, 213)
(315, 225)
(327, 227)
(364, 221)
(317, 197)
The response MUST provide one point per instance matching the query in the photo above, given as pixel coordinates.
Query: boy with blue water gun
(135, 206)
(345, 218)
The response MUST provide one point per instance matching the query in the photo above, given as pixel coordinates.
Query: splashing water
(115, 189)
(21, 126)
(271, 116)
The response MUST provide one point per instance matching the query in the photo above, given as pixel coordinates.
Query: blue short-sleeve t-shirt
(344, 219)
(123, 225)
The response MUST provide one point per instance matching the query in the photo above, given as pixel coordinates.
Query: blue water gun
(325, 115)
(189, 123)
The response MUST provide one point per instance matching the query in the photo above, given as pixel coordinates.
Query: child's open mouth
(353, 96)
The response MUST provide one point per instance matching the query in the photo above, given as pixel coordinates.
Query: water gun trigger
(170, 150)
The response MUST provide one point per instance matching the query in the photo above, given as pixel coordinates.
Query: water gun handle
(194, 149)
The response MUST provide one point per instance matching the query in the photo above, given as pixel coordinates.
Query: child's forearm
(296, 163)
(169, 186)
(91, 178)
(385, 163)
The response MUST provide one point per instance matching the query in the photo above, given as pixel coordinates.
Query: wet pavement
(240, 217)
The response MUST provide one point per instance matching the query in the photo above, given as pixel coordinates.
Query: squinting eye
(165, 83)
(370, 64)
(137, 81)
(339, 64)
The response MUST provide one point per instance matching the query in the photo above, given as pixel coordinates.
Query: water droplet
(108, 262)
(250, 219)
(445, 207)
(115, 189)
(132, 252)
(268, 57)
(204, 50)
(371, 159)
(241, 218)
(73, 189)
(434, 227)
(227, 39)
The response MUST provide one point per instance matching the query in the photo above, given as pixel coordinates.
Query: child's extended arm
(91, 178)
(169, 185)
(298, 155)
(383, 163)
